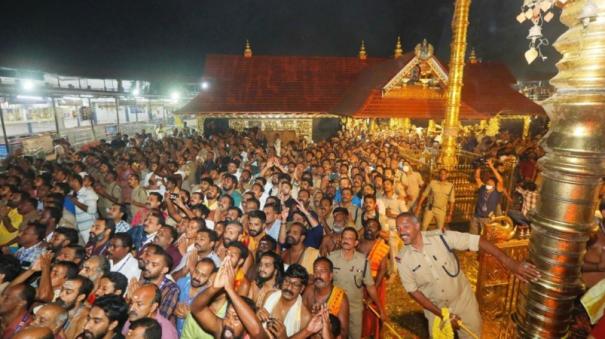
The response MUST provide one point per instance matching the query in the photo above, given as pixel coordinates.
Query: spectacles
(291, 282)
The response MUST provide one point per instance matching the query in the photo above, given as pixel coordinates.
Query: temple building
(309, 96)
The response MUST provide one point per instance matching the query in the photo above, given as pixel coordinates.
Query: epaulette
(432, 233)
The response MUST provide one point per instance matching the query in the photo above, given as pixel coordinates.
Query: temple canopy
(412, 85)
(274, 84)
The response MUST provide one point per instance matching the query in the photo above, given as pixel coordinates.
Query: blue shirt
(314, 236)
(487, 202)
(184, 285)
(138, 237)
(356, 201)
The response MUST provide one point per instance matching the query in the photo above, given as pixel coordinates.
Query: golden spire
(398, 48)
(362, 51)
(472, 59)
(248, 50)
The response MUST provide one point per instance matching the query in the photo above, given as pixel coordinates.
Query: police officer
(439, 193)
(352, 273)
(430, 272)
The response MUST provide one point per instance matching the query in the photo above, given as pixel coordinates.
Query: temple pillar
(572, 170)
(448, 156)
(526, 125)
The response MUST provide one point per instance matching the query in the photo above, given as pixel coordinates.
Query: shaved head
(34, 333)
(144, 302)
(51, 316)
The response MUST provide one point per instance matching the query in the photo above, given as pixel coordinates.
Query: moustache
(288, 292)
(195, 281)
(318, 280)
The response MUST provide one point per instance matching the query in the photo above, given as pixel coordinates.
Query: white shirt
(128, 266)
(161, 188)
(88, 197)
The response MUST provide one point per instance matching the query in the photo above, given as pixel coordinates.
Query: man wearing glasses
(120, 258)
(286, 306)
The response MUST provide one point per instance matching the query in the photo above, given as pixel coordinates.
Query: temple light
(28, 85)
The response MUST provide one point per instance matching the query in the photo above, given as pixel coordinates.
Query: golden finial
(472, 58)
(362, 51)
(398, 48)
(248, 50)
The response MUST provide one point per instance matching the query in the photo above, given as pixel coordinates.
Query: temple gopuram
(313, 96)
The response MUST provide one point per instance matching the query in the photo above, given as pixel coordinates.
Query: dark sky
(169, 39)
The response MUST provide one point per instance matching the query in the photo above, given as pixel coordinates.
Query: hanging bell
(535, 32)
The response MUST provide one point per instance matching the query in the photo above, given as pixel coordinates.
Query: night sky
(167, 40)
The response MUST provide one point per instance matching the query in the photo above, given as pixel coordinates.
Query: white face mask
(489, 187)
(406, 168)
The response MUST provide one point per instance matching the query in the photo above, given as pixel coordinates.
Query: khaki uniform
(351, 276)
(439, 195)
(115, 191)
(397, 206)
(413, 189)
(138, 195)
(425, 271)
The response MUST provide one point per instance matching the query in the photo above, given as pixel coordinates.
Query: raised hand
(277, 329)
(182, 310)
(133, 285)
(316, 323)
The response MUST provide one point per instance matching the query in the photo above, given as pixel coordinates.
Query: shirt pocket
(422, 275)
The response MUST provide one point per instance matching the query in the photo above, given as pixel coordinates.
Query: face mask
(406, 168)
(489, 187)
(96, 237)
(337, 228)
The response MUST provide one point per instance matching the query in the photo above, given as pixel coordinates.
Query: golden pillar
(526, 125)
(458, 50)
(572, 170)
(431, 127)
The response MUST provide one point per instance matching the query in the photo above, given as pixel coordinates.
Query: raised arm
(201, 311)
(246, 314)
(499, 180)
(172, 212)
(478, 180)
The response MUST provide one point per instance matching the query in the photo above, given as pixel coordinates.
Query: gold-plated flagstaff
(572, 170)
(448, 155)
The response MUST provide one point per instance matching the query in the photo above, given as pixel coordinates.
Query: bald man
(145, 303)
(51, 316)
(35, 333)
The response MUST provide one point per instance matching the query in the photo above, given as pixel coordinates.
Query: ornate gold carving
(302, 127)
(571, 170)
(424, 50)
